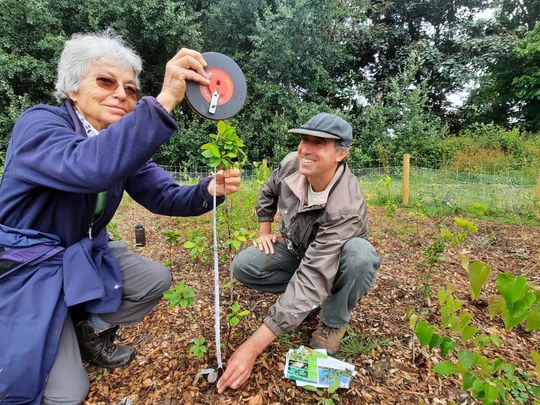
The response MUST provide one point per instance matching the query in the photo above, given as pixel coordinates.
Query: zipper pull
(90, 232)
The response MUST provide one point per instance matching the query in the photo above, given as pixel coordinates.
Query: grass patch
(354, 344)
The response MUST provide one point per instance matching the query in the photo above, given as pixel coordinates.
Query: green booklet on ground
(314, 367)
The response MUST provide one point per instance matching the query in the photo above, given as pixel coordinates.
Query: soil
(392, 371)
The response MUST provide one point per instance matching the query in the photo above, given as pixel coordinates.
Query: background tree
(386, 65)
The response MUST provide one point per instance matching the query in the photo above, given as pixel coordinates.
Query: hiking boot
(100, 349)
(327, 338)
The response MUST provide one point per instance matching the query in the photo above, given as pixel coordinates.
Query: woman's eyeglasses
(107, 83)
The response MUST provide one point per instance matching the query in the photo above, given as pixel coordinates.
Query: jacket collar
(74, 119)
(298, 183)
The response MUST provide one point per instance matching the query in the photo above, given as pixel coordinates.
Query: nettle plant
(490, 380)
(182, 296)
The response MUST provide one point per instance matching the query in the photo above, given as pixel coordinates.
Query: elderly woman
(66, 170)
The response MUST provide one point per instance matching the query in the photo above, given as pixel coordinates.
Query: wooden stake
(406, 171)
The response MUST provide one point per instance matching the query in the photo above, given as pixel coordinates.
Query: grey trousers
(358, 266)
(144, 284)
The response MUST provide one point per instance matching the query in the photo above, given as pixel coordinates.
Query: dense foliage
(388, 66)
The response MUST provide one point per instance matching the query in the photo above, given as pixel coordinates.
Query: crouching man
(322, 259)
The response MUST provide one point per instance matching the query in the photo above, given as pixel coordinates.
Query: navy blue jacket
(51, 178)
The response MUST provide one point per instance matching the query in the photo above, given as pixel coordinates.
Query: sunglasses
(109, 84)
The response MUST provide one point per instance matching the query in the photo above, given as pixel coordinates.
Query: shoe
(100, 349)
(327, 338)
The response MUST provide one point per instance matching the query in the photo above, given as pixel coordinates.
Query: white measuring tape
(217, 314)
(212, 374)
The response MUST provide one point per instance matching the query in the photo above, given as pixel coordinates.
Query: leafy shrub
(490, 146)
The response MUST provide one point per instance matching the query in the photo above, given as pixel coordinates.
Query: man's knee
(240, 265)
(359, 257)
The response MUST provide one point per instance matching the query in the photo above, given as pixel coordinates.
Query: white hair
(84, 49)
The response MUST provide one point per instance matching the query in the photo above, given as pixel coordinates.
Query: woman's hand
(227, 181)
(187, 64)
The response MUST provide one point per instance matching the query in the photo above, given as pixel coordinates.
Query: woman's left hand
(228, 182)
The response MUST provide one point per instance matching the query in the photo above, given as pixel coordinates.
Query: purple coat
(51, 179)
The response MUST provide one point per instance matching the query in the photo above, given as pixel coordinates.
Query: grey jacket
(315, 233)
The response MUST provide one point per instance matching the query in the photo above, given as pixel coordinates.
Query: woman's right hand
(187, 64)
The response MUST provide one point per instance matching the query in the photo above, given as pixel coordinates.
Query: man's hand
(238, 368)
(227, 181)
(266, 242)
(241, 362)
(266, 238)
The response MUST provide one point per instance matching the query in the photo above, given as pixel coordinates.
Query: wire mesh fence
(498, 188)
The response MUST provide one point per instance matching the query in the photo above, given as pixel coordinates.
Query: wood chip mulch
(165, 373)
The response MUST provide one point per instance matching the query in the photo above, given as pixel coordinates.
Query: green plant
(180, 296)
(260, 172)
(237, 239)
(226, 149)
(236, 314)
(187, 178)
(197, 247)
(234, 317)
(389, 204)
(519, 302)
(489, 380)
(330, 395)
(172, 238)
(432, 265)
(353, 343)
(199, 348)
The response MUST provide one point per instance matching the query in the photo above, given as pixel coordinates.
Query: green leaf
(435, 341)
(496, 306)
(447, 346)
(512, 288)
(234, 321)
(536, 358)
(496, 340)
(412, 321)
(478, 274)
(490, 393)
(445, 367)
(424, 331)
(312, 389)
(189, 245)
(468, 380)
(466, 225)
(466, 359)
(533, 319)
(468, 332)
(334, 386)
